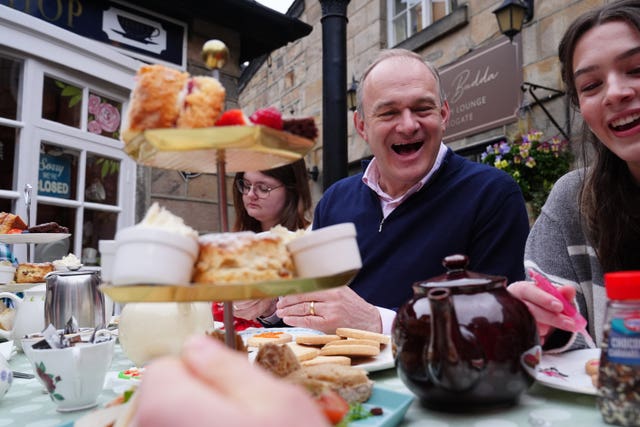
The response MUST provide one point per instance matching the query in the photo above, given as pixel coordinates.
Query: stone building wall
(292, 78)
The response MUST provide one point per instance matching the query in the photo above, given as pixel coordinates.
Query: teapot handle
(16, 300)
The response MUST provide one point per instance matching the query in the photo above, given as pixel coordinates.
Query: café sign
(141, 34)
(483, 89)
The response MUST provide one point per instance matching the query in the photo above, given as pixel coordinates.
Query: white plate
(32, 237)
(566, 371)
(370, 364)
(19, 287)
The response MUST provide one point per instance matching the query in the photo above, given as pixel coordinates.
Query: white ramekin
(7, 273)
(146, 255)
(326, 251)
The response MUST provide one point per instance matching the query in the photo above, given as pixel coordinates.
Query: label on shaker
(624, 340)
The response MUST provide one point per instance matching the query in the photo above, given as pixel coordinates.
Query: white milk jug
(153, 329)
(29, 314)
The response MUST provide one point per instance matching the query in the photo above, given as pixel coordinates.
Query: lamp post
(512, 14)
(352, 98)
(334, 82)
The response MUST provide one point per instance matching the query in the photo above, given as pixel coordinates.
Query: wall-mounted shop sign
(483, 89)
(144, 35)
(54, 176)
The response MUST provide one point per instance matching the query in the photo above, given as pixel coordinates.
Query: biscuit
(591, 367)
(357, 350)
(322, 360)
(316, 339)
(355, 341)
(303, 352)
(263, 338)
(362, 334)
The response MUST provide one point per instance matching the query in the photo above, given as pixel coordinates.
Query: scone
(155, 98)
(202, 103)
(242, 258)
(167, 98)
(33, 272)
(9, 221)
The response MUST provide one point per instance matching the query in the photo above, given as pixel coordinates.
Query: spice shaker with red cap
(619, 374)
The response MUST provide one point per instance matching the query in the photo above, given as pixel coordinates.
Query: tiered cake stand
(219, 150)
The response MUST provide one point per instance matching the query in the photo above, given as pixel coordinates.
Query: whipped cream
(67, 262)
(159, 217)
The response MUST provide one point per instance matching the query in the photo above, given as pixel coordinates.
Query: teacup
(6, 376)
(73, 376)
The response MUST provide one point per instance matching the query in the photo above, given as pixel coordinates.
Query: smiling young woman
(590, 224)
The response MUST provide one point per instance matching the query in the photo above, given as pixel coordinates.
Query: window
(60, 122)
(73, 123)
(10, 72)
(408, 17)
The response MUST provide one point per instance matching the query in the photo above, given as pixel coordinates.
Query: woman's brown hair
(610, 198)
(297, 207)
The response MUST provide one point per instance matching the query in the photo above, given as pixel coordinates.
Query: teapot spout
(455, 360)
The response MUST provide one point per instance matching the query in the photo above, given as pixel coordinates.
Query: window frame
(44, 49)
(426, 16)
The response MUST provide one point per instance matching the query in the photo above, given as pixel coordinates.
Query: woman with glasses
(279, 196)
(262, 200)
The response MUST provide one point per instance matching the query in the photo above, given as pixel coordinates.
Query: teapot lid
(458, 275)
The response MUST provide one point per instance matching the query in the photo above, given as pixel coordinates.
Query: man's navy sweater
(465, 208)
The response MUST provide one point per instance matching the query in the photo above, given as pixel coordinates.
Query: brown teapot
(463, 342)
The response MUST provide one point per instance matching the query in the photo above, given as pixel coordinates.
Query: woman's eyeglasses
(260, 189)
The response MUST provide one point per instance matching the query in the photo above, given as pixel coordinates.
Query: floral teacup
(73, 376)
(6, 376)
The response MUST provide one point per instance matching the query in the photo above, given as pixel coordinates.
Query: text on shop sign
(54, 176)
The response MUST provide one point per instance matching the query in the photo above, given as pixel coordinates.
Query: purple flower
(504, 147)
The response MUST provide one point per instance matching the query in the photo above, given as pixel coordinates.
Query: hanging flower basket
(534, 163)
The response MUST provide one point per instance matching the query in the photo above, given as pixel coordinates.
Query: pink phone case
(568, 309)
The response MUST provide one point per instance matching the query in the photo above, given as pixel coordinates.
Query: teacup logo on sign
(134, 30)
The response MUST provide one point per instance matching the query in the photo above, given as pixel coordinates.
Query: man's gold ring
(312, 308)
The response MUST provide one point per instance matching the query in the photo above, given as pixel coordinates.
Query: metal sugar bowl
(74, 293)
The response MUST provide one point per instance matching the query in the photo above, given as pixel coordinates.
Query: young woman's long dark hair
(610, 198)
(297, 207)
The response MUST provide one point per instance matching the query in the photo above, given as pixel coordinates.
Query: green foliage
(533, 162)
(72, 92)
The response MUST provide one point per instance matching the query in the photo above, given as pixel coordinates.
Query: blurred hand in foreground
(212, 385)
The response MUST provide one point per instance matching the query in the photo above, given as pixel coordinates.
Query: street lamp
(512, 14)
(352, 99)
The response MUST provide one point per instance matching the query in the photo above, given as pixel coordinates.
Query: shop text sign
(54, 176)
(150, 37)
(483, 89)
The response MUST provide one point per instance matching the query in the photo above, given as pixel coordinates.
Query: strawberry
(269, 117)
(232, 117)
(333, 406)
